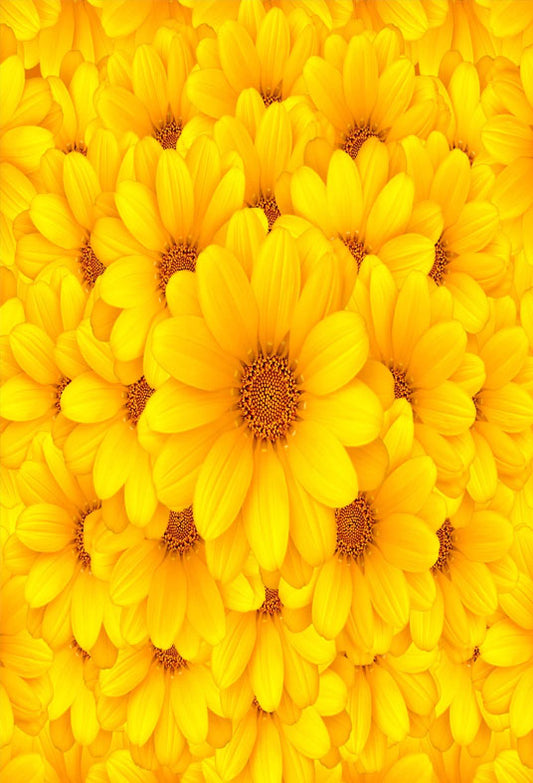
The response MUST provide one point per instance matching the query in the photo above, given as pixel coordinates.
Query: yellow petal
(506, 644)
(390, 212)
(465, 718)
(81, 188)
(429, 370)
(353, 413)
(144, 706)
(273, 46)
(137, 207)
(164, 617)
(49, 575)
(205, 610)
(388, 589)
(266, 665)
(359, 708)
(150, 82)
(407, 542)
(89, 399)
(130, 669)
(109, 473)
(232, 655)
(446, 408)
(266, 763)
(87, 610)
(45, 528)
(332, 598)
(231, 759)
(238, 56)
(175, 195)
(309, 734)
(52, 217)
(266, 510)
(475, 584)
(451, 184)
(486, 537)
(325, 87)
(227, 198)
(388, 706)
(189, 706)
(85, 726)
(360, 77)
(131, 577)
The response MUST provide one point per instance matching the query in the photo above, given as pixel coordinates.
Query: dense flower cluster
(267, 391)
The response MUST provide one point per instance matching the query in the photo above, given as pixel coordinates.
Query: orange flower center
(446, 546)
(170, 659)
(269, 397)
(78, 146)
(402, 387)
(177, 257)
(90, 267)
(181, 534)
(137, 396)
(357, 249)
(79, 651)
(168, 134)
(271, 96)
(60, 388)
(356, 137)
(355, 527)
(79, 534)
(272, 604)
(442, 259)
(269, 206)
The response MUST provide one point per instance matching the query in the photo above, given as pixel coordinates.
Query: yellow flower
(371, 210)
(26, 111)
(371, 90)
(145, 94)
(57, 524)
(168, 562)
(262, 396)
(265, 53)
(161, 228)
(25, 662)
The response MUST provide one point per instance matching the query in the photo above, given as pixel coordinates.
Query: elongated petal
(205, 610)
(167, 601)
(332, 598)
(175, 195)
(407, 542)
(266, 666)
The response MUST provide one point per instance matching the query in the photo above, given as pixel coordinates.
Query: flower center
(168, 134)
(272, 604)
(480, 416)
(269, 397)
(170, 659)
(137, 395)
(402, 387)
(357, 249)
(446, 546)
(271, 96)
(79, 540)
(181, 534)
(79, 651)
(355, 527)
(177, 257)
(78, 146)
(269, 206)
(442, 259)
(90, 267)
(60, 388)
(356, 137)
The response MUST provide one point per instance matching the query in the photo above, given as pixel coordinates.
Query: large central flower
(262, 398)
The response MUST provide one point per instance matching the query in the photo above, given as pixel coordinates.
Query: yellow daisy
(365, 92)
(266, 52)
(145, 94)
(471, 257)
(25, 662)
(63, 219)
(168, 561)
(262, 396)
(162, 225)
(26, 114)
(369, 208)
(57, 524)
(40, 357)
(443, 411)
(167, 701)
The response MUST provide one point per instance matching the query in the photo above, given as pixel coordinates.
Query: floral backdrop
(267, 391)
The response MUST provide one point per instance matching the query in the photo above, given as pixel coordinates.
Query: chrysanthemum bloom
(74, 92)
(285, 741)
(270, 146)
(41, 356)
(105, 403)
(370, 89)
(473, 544)
(26, 113)
(165, 220)
(24, 665)
(405, 329)
(385, 546)
(64, 218)
(266, 51)
(145, 93)
(508, 136)
(471, 257)
(167, 701)
(387, 695)
(369, 208)
(56, 524)
(279, 663)
(72, 710)
(263, 395)
(165, 577)
(504, 406)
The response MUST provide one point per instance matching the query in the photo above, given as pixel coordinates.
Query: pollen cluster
(266, 454)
